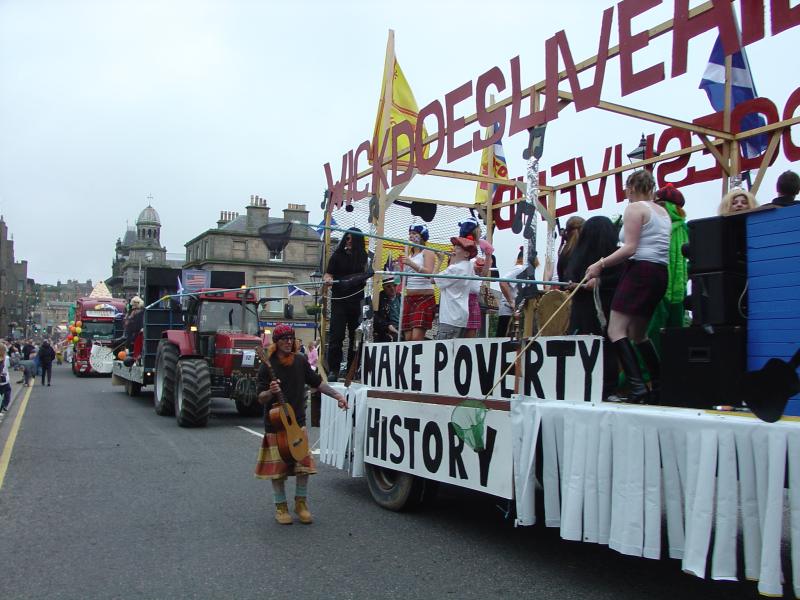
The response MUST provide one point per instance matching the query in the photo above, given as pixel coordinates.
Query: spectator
(46, 356)
(788, 186)
(737, 200)
(27, 348)
(313, 354)
(5, 378)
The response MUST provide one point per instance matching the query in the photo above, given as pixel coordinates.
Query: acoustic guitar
(292, 441)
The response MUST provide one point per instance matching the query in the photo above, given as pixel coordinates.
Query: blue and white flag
(320, 229)
(180, 286)
(742, 88)
(296, 291)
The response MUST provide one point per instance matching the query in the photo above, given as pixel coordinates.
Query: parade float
(97, 322)
(505, 415)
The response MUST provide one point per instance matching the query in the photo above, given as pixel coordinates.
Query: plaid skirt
(418, 311)
(641, 287)
(474, 319)
(270, 465)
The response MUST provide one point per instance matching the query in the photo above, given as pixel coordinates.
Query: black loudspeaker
(701, 366)
(718, 298)
(717, 244)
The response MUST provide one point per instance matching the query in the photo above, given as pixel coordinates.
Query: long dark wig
(358, 253)
(598, 239)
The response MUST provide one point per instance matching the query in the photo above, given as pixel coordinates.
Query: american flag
(194, 279)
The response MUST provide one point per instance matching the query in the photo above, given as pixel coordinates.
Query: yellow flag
(403, 108)
(493, 164)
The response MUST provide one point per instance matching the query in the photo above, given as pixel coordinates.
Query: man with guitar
(282, 380)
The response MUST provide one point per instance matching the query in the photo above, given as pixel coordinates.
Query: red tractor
(213, 354)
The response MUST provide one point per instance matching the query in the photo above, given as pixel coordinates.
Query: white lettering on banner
(417, 438)
(553, 368)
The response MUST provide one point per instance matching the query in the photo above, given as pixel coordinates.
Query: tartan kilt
(418, 311)
(474, 319)
(640, 289)
(270, 465)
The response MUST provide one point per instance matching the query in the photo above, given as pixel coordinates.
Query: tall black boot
(630, 364)
(650, 357)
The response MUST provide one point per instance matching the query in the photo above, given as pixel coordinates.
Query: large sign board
(552, 368)
(418, 438)
(451, 116)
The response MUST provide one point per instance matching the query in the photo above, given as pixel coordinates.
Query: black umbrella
(767, 390)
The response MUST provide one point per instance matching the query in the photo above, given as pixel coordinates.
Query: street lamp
(316, 277)
(149, 258)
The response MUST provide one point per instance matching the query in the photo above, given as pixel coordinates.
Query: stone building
(234, 245)
(55, 302)
(17, 293)
(137, 250)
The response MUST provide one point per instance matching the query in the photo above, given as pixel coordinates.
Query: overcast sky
(203, 103)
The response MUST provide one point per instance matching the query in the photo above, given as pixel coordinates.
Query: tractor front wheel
(193, 393)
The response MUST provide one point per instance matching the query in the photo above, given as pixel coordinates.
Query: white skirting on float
(610, 472)
(337, 434)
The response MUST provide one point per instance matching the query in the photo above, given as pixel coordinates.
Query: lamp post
(316, 277)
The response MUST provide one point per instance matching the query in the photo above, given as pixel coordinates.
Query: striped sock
(301, 491)
(279, 496)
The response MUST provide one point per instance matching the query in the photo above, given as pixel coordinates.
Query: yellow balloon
(78, 330)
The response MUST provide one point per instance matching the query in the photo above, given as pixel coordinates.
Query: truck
(101, 322)
(199, 347)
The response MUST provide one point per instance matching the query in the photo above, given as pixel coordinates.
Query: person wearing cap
(454, 293)
(349, 259)
(471, 229)
(293, 374)
(670, 312)
(420, 304)
(386, 321)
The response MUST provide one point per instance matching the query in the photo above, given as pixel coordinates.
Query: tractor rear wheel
(193, 393)
(164, 388)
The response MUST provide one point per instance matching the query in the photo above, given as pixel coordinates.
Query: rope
(534, 338)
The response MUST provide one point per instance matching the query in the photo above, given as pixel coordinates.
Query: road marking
(12, 437)
(259, 434)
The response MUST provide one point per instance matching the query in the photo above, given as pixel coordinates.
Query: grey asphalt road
(105, 499)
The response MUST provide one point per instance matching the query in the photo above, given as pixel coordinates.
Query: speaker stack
(701, 363)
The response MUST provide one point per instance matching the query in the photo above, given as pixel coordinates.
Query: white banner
(553, 368)
(418, 438)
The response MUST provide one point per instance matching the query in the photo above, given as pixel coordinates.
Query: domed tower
(148, 227)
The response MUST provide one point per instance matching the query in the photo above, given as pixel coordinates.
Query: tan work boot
(301, 510)
(282, 515)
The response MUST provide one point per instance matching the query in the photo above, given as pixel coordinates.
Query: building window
(276, 256)
(276, 295)
(240, 249)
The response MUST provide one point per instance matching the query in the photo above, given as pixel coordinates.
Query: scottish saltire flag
(320, 229)
(180, 286)
(484, 192)
(742, 88)
(296, 291)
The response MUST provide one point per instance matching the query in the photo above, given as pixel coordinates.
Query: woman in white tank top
(420, 304)
(645, 252)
